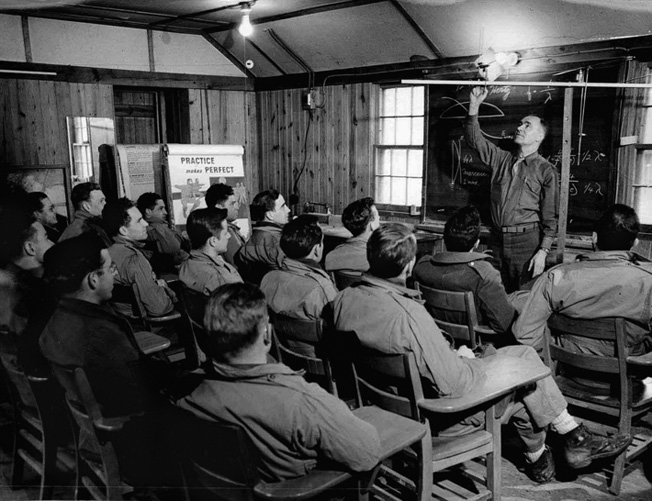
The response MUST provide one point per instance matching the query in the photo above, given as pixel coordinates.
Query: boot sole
(601, 455)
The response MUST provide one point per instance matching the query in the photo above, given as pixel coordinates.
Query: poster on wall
(137, 165)
(193, 168)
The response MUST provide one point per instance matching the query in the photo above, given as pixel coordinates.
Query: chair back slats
(345, 278)
(125, 294)
(597, 328)
(391, 382)
(306, 331)
(312, 366)
(608, 365)
(454, 312)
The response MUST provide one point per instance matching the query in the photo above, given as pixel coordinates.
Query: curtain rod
(527, 84)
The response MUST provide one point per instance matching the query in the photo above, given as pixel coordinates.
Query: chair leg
(625, 427)
(494, 458)
(49, 469)
(424, 480)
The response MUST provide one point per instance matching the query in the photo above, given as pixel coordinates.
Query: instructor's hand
(538, 263)
(477, 95)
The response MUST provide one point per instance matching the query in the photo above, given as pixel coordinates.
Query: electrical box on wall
(308, 100)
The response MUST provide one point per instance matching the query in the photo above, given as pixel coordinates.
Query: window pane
(643, 204)
(384, 163)
(417, 130)
(647, 126)
(403, 101)
(417, 100)
(414, 192)
(415, 163)
(383, 190)
(389, 102)
(403, 126)
(399, 162)
(398, 190)
(387, 130)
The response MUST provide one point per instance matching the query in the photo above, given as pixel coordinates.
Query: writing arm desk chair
(625, 403)
(233, 476)
(376, 372)
(309, 333)
(443, 304)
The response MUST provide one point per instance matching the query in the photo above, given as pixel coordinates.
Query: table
(149, 343)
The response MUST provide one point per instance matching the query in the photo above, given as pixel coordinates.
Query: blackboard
(456, 177)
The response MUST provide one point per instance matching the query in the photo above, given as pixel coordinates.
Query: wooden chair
(189, 305)
(345, 278)
(625, 403)
(312, 358)
(43, 431)
(99, 472)
(392, 382)
(234, 476)
(443, 304)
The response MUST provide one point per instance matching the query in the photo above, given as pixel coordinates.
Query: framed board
(456, 177)
(190, 169)
(139, 169)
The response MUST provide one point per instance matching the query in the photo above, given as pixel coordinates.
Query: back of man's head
(68, 262)
(263, 202)
(389, 249)
(16, 228)
(462, 229)
(82, 193)
(203, 224)
(300, 235)
(147, 201)
(357, 215)
(618, 228)
(218, 194)
(116, 214)
(232, 319)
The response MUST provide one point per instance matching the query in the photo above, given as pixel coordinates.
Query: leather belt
(519, 228)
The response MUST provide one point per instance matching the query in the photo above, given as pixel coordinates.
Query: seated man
(387, 316)
(262, 252)
(293, 424)
(88, 201)
(25, 299)
(43, 210)
(462, 269)
(205, 270)
(85, 332)
(613, 281)
(300, 289)
(126, 225)
(222, 196)
(360, 218)
(169, 247)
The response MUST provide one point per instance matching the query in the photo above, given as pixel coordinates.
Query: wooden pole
(507, 83)
(565, 174)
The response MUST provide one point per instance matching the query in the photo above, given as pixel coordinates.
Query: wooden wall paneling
(4, 116)
(194, 103)
(50, 121)
(10, 119)
(64, 109)
(252, 160)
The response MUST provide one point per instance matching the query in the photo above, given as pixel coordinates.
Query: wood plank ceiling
(307, 37)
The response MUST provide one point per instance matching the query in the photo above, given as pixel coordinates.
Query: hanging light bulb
(245, 28)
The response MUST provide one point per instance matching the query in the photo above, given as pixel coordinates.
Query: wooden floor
(590, 485)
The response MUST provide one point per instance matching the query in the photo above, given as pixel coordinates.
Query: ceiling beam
(226, 53)
(279, 41)
(269, 59)
(299, 13)
(78, 74)
(415, 26)
(194, 16)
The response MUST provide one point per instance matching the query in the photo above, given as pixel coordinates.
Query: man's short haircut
(263, 202)
(147, 201)
(356, 215)
(115, 215)
(67, 263)
(218, 194)
(389, 249)
(300, 235)
(203, 224)
(82, 193)
(16, 228)
(231, 319)
(35, 201)
(544, 124)
(462, 229)
(618, 228)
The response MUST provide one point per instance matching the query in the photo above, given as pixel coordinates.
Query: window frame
(398, 210)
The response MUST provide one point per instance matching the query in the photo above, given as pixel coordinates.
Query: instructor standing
(524, 196)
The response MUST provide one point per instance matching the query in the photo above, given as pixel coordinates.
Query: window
(399, 146)
(643, 173)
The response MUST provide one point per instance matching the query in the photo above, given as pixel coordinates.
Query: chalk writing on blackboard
(586, 156)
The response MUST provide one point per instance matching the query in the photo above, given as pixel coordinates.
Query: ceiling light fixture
(246, 28)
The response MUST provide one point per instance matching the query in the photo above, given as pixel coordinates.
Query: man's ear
(85, 205)
(92, 280)
(594, 238)
(148, 213)
(29, 248)
(122, 231)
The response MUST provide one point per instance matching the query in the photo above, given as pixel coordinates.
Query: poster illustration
(194, 168)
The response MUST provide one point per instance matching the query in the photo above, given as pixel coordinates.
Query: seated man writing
(205, 269)
(461, 269)
(387, 316)
(292, 423)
